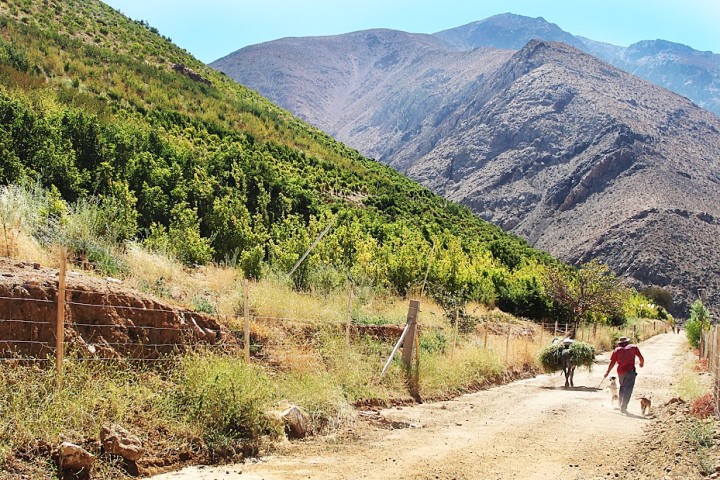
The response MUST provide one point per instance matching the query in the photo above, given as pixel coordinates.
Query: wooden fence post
(507, 345)
(60, 325)
(246, 316)
(349, 314)
(455, 334)
(486, 337)
(415, 377)
(409, 340)
(556, 329)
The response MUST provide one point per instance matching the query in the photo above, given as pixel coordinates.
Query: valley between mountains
(515, 119)
(531, 429)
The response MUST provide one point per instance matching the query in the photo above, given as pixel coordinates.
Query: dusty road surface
(531, 429)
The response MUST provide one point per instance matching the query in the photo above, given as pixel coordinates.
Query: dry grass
(20, 245)
(468, 368)
(222, 288)
(212, 286)
(692, 384)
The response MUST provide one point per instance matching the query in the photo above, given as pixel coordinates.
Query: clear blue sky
(210, 29)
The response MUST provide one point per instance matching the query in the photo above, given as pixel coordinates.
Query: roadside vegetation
(698, 428)
(210, 406)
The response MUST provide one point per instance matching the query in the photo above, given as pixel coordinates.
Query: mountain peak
(505, 31)
(652, 47)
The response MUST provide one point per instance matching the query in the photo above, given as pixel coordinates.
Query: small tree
(451, 277)
(699, 322)
(589, 292)
(190, 247)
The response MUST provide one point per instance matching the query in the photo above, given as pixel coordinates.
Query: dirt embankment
(102, 318)
(531, 429)
(105, 319)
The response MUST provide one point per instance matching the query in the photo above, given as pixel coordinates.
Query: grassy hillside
(95, 105)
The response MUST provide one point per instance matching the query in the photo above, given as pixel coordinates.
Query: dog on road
(645, 404)
(613, 387)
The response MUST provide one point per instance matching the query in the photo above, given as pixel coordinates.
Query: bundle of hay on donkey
(565, 356)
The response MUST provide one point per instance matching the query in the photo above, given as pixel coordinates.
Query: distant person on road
(624, 356)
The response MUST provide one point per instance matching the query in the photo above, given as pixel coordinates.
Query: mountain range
(679, 68)
(533, 128)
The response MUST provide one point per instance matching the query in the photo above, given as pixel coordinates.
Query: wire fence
(104, 325)
(710, 350)
(38, 323)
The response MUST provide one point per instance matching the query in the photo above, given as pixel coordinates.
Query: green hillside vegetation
(90, 106)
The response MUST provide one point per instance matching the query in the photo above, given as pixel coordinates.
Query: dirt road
(532, 429)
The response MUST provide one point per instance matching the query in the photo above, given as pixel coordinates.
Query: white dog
(613, 387)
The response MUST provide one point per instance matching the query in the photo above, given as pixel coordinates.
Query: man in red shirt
(624, 355)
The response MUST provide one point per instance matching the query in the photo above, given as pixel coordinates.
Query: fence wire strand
(273, 346)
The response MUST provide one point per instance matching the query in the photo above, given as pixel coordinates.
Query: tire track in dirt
(532, 429)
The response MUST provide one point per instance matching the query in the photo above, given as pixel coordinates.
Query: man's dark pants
(627, 383)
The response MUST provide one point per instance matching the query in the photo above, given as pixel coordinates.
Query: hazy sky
(210, 29)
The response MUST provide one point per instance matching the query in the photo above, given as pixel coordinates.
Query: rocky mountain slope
(580, 158)
(679, 68)
(691, 73)
(586, 161)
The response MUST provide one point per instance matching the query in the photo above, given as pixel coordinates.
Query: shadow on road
(574, 389)
(632, 415)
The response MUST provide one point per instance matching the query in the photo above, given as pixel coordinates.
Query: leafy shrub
(13, 55)
(659, 295)
(103, 258)
(251, 262)
(190, 247)
(224, 397)
(433, 341)
(203, 305)
(506, 252)
(699, 321)
(522, 296)
(693, 332)
(326, 279)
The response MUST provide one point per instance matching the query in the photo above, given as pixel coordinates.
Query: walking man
(624, 356)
